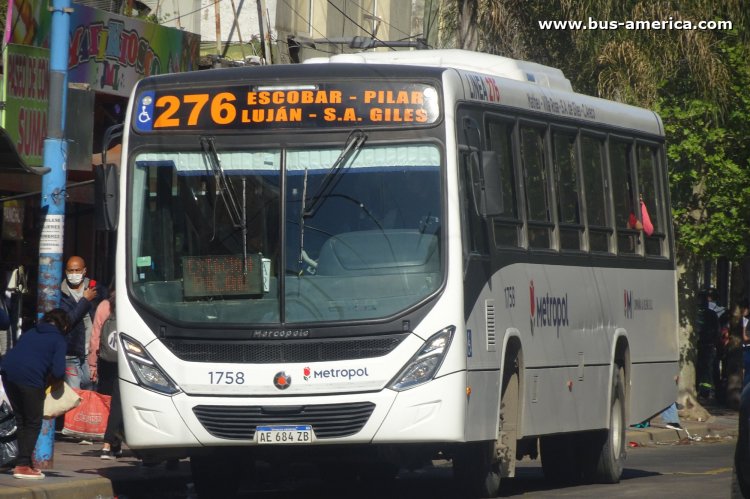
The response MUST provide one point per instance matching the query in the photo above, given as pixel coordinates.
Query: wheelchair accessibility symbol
(144, 116)
(144, 112)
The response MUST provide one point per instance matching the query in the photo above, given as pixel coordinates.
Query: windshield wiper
(352, 145)
(237, 211)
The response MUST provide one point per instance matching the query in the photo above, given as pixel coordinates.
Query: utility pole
(265, 35)
(53, 195)
(217, 16)
(235, 24)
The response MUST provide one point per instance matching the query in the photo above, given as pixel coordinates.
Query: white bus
(384, 259)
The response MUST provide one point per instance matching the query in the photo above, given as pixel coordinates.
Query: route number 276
(222, 108)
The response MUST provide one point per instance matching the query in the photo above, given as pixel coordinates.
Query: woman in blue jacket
(37, 360)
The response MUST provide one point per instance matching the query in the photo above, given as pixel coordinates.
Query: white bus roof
(467, 60)
(526, 85)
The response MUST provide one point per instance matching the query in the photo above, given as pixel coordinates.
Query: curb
(646, 437)
(657, 435)
(83, 488)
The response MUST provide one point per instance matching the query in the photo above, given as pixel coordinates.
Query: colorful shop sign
(26, 84)
(108, 51)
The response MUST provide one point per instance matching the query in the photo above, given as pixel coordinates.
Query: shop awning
(11, 161)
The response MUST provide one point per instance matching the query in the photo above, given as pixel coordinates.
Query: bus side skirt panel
(649, 382)
(484, 402)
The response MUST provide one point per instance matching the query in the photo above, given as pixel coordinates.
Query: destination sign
(221, 275)
(253, 107)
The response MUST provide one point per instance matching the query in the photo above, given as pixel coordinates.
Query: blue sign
(144, 112)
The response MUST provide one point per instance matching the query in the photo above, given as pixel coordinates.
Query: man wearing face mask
(79, 297)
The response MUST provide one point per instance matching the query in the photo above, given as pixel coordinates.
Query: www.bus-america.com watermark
(597, 24)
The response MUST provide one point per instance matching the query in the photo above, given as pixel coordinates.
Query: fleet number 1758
(226, 377)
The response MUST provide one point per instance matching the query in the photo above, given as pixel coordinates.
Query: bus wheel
(477, 469)
(215, 476)
(607, 452)
(508, 436)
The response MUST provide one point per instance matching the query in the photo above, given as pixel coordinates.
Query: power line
(381, 19)
(194, 11)
(417, 38)
(318, 49)
(330, 2)
(308, 21)
(432, 18)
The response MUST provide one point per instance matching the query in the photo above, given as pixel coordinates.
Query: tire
(607, 453)
(215, 476)
(509, 409)
(478, 467)
(476, 470)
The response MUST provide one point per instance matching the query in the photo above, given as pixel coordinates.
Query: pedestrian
(709, 334)
(745, 335)
(79, 298)
(103, 367)
(722, 318)
(37, 360)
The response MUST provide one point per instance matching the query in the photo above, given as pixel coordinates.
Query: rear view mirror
(105, 197)
(484, 172)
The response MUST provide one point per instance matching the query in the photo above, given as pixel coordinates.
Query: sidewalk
(723, 424)
(79, 472)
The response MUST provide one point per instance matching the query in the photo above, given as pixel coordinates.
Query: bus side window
(473, 226)
(566, 179)
(648, 189)
(537, 199)
(623, 196)
(506, 227)
(595, 185)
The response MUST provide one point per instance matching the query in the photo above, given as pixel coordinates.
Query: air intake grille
(276, 351)
(489, 309)
(240, 422)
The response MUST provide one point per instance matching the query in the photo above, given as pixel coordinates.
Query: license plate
(292, 434)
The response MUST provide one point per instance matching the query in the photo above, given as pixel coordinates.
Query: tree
(3, 14)
(710, 181)
(696, 79)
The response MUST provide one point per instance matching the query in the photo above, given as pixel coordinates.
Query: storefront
(16, 236)
(109, 53)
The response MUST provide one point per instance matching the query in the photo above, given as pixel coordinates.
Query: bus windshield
(353, 235)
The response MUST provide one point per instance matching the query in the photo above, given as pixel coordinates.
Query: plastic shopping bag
(8, 452)
(8, 443)
(89, 419)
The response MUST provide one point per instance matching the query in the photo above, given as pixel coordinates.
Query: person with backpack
(103, 369)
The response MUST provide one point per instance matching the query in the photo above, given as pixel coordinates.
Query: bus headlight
(146, 370)
(425, 363)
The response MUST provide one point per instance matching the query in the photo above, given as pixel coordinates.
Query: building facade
(108, 54)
